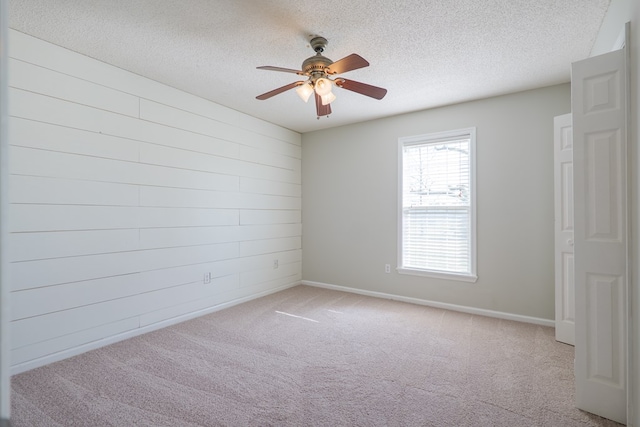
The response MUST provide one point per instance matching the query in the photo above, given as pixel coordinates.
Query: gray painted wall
(349, 177)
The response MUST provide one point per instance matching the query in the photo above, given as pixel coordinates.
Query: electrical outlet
(275, 263)
(207, 278)
(387, 268)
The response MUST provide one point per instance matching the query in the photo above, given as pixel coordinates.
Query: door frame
(563, 229)
(624, 43)
(5, 374)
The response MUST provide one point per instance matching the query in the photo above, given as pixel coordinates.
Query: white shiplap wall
(124, 193)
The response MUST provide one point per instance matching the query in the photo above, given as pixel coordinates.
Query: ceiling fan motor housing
(315, 64)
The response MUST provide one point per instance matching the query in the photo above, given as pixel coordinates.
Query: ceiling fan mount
(318, 44)
(318, 69)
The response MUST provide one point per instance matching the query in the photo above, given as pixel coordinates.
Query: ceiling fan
(320, 71)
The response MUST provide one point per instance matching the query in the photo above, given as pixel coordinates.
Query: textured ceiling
(426, 53)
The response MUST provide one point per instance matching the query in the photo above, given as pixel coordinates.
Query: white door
(599, 105)
(563, 189)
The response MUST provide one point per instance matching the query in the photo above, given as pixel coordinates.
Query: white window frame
(469, 133)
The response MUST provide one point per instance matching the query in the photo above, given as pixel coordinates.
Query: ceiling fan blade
(362, 88)
(348, 63)
(284, 70)
(277, 91)
(323, 110)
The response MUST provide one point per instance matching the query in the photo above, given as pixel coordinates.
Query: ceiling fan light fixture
(328, 98)
(323, 86)
(304, 91)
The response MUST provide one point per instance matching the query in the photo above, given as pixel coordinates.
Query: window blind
(436, 206)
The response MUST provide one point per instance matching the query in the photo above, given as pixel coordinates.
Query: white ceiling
(426, 53)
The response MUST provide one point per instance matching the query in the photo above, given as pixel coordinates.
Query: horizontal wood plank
(23, 75)
(81, 338)
(34, 329)
(178, 197)
(67, 191)
(270, 246)
(263, 186)
(263, 217)
(217, 286)
(255, 277)
(47, 218)
(35, 246)
(59, 112)
(46, 136)
(265, 157)
(53, 164)
(152, 217)
(168, 237)
(185, 159)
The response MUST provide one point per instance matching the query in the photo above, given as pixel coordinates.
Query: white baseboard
(436, 304)
(65, 354)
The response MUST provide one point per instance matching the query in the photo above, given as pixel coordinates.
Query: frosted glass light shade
(323, 86)
(328, 98)
(304, 91)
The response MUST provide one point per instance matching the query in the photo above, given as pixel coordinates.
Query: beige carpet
(314, 357)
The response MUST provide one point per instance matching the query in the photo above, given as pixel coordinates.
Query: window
(436, 227)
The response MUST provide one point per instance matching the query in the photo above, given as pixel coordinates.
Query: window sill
(438, 275)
